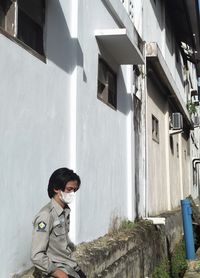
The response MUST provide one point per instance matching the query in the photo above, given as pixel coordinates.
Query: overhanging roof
(155, 58)
(120, 46)
(185, 16)
(186, 22)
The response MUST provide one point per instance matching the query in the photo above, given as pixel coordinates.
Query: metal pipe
(188, 230)
(195, 161)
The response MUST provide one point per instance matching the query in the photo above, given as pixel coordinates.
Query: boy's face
(71, 186)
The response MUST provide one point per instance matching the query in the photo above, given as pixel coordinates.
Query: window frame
(13, 36)
(155, 129)
(111, 98)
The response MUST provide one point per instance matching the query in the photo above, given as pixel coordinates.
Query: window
(107, 84)
(24, 20)
(7, 15)
(155, 129)
(177, 150)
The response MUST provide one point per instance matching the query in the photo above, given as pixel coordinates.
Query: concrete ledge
(131, 253)
(123, 253)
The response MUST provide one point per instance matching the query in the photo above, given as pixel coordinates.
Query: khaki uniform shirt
(51, 246)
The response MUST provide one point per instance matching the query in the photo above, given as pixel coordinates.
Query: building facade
(93, 85)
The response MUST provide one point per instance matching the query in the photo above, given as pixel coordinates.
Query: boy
(51, 247)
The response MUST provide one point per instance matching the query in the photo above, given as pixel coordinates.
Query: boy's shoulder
(47, 208)
(45, 212)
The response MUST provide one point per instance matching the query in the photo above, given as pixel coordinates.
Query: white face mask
(67, 198)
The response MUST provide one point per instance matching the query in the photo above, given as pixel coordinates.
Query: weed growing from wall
(175, 267)
(162, 271)
(178, 261)
(118, 224)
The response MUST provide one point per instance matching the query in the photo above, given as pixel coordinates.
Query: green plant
(118, 225)
(178, 261)
(126, 225)
(162, 270)
(191, 108)
(175, 267)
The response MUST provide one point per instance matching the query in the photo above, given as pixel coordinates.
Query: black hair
(60, 178)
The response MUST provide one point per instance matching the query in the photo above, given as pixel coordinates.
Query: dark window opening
(107, 84)
(30, 23)
(155, 129)
(24, 19)
(7, 16)
(177, 150)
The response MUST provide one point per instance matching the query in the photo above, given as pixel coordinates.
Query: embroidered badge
(41, 226)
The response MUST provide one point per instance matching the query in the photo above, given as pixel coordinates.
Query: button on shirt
(51, 246)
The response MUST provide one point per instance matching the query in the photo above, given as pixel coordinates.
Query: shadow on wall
(137, 128)
(173, 48)
(124, 99)
(61, 48)
(157, 8)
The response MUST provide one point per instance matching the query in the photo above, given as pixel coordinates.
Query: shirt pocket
(59, 230)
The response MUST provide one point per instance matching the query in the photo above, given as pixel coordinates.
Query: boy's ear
(56, 190)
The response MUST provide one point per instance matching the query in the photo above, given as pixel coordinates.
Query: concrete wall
(161, 31)
(35, 132)
(172, 176)
(35, 128)
(50, 117)
(104, 135)
(157, 180)
(186, 164)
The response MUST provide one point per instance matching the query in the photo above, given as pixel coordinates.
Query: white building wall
(186, 164)
(103, 134)
(157, 164)
(157, 28)
(35, 131)
(153, 24)
(50, 117)
(175, 177)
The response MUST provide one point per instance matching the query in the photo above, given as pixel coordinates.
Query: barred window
(107, 84)
(24, 20)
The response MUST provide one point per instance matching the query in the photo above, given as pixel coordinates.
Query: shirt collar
(59, 210)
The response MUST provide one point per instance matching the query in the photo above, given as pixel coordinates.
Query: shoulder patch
(41, 226)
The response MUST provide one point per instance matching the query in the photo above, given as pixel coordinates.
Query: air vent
(177, 121)
(193, 92)
(196, 121)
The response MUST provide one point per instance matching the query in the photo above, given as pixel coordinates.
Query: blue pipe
(188, 230)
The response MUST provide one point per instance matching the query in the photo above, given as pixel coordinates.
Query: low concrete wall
(132, 252)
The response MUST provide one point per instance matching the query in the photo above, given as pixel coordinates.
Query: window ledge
(23, 45)
(120, 45)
